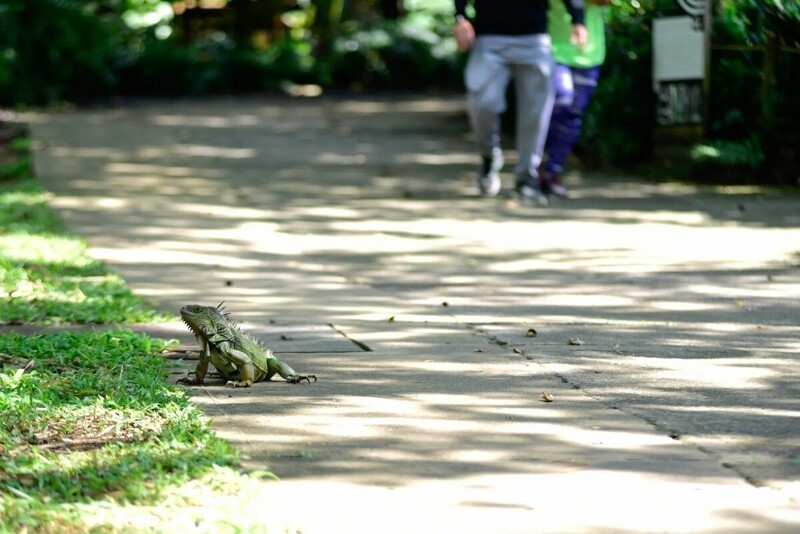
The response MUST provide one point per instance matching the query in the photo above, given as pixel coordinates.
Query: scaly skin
(240, 359)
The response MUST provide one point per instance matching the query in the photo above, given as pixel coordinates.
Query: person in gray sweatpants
(509, 38)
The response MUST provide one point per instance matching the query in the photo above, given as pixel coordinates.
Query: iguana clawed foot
(190, 381)
(239, 383)
(295, 379)
(299, 378)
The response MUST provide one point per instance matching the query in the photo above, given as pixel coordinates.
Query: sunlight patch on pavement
(739, 410)
(564, 501)
(207, 121)
(225, 212)
(148, 254)
(209, 151)
(399, 107)
(689, 218)
(161, 170)
(88, 153)
(341, 159)
(591, 301)
(106, 203)
(457, 158)
(569, 499)
(429, 425)
(333, 212)
(683, 305)
(765, 288)
(722, 373)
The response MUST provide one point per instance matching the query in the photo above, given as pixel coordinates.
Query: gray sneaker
(528, 191)
(489, 176)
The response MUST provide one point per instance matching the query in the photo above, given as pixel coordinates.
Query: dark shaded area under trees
(90, 50)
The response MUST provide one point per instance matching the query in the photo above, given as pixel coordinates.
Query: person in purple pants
(577, 72)
(508, 39)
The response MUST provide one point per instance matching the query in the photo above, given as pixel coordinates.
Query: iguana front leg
(243, 362)
(201, 369)
(274, 365)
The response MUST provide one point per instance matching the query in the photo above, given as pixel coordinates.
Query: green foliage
(93, 419)
(415, 52)
(45, 274)
(394, 55)
(162, 67)
(752, 128)
(746, 153)
(53, 49)
(128, 47)
(618, 127)
(57, 49)
(753, 90)
(20, 164)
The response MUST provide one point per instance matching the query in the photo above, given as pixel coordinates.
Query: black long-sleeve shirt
(515, 17)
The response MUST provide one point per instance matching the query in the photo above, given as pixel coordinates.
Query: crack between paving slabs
(357, 343)
(656, 425)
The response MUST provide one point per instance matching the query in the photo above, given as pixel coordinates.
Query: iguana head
(203, 320)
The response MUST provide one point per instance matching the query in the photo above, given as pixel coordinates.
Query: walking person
(576, 76)
(509, 38)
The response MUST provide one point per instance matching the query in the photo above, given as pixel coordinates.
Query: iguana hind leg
(294, 379)
(287, 373)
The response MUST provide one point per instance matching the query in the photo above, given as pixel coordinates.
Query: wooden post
(391, 9)
(768, 77)
(707, 18)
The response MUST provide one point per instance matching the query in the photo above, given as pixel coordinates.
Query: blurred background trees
(89, 50)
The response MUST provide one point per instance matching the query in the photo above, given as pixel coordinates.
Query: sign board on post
(679, 65)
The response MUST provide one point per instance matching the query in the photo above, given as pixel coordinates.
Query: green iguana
(239, 358)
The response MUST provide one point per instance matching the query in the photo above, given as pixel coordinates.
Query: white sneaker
(489, 176)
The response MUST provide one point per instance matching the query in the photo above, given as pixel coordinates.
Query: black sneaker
(551, 185)
(489, 176)
(529, 192)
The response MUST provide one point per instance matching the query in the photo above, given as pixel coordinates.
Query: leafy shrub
(53, 49)
(618, 127)
(746, 104)
(746, 153)
(620, 121)
(396, 56)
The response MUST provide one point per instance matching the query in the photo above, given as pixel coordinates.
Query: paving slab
(346, 232)
(287, 338)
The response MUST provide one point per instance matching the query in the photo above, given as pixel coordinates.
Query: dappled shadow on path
(361, 214)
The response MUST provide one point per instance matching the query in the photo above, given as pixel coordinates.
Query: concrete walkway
(663, 319)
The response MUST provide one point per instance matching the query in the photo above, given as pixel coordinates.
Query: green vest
(559, 25)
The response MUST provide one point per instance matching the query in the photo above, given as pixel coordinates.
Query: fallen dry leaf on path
(546, 397)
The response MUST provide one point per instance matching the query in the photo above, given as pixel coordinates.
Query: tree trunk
(391, 9)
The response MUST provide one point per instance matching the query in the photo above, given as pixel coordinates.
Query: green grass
(93, 420)
(20, 162)
(93, 437)
(45, 273)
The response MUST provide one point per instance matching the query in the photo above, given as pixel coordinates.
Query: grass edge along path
(46, 276)
(88, 418)
(92, 436)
